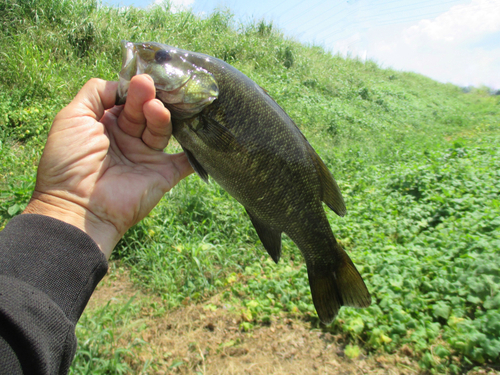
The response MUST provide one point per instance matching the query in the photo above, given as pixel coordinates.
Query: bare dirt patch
(202, 339)
(193, 339)
(116, 285)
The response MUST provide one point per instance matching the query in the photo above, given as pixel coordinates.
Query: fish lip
(127, 49)
(122, 91)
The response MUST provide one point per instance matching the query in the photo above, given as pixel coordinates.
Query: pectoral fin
(216, 135)
(196, 166)
(330, 191)
(271, 239)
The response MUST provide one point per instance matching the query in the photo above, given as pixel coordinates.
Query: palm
(107, 168)
(127, 176)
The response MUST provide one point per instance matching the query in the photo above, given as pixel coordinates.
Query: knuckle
(95, 82)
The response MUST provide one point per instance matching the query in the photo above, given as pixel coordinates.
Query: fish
(233, 131)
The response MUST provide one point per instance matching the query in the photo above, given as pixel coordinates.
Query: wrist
(104, 234)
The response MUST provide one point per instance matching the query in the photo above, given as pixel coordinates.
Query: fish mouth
(162, 93)
(133, 64)
(184, 87)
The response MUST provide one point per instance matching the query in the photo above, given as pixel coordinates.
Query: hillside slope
(417, 162)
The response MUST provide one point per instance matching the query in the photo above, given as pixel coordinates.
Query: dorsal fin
(330, 191)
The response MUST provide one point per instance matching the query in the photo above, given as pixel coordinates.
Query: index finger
(132, 120)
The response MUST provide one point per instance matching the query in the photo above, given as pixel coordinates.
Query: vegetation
(417, 161)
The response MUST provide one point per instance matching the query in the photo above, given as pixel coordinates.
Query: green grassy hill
(417, 162)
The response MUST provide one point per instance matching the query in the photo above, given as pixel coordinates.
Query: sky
(456, 41)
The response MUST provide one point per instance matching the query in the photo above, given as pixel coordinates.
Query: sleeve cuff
(54, 257)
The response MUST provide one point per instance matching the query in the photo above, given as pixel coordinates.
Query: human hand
(102, 169)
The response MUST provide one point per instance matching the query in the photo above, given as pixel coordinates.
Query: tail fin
(336, 285)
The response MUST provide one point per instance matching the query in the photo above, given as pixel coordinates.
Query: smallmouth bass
(233, 131)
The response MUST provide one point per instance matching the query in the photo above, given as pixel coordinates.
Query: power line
(380, 5)
(395, 22)
(295, 6)
(405, 8)
(313, 7)
(329, 19)
(339, 30)
(273, 8)
(406, 19)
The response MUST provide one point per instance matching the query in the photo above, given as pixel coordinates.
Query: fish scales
(233, 131)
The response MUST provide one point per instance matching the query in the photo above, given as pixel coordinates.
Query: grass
(102, 347)
(417, 162)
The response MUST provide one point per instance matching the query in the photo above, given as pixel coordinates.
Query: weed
(417, 162)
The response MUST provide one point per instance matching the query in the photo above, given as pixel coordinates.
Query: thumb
(92, 100)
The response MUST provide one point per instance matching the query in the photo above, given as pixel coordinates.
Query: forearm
(48, 271)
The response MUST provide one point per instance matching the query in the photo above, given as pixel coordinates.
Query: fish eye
(162, 56)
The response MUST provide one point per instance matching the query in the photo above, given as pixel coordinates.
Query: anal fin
(270, 238)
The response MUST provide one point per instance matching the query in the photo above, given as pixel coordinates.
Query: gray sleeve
(48, 271)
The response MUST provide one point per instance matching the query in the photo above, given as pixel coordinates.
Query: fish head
(181, 84)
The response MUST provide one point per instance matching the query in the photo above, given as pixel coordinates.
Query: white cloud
(460, 23)
(461, 46)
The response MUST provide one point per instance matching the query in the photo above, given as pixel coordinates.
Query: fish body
(233, 131)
